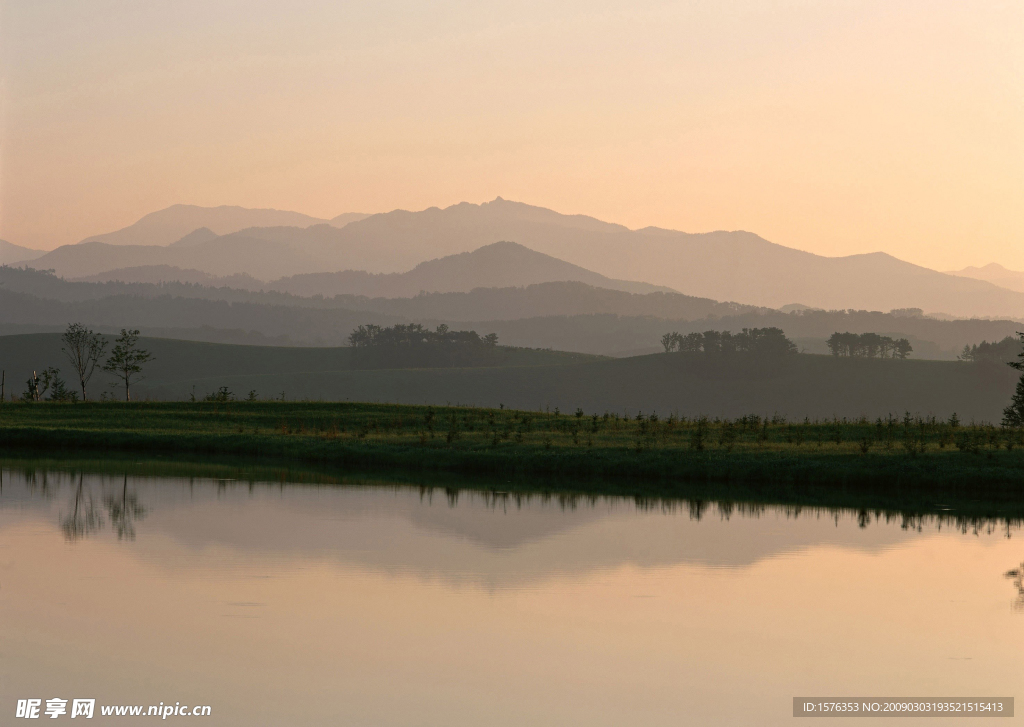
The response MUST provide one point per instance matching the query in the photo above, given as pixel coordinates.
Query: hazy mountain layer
(11, 253)
(555, 298)
(221, 256)
(736, 266)
(157, 274)
(171, 224)
(501, 264)
(590, 320)
(995, 274)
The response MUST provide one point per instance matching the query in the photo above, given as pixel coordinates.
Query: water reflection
(82, 517)
(124, 511)
(510, 530)
(426, 604)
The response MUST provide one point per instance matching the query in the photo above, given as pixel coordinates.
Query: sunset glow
(836, 128)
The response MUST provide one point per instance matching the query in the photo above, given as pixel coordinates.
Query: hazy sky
(836, 126)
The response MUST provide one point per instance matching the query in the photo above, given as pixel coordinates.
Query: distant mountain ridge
(168, 225)
(561, 315)
(737, 265)
(499, 265)
(11, 253)
(996, 274)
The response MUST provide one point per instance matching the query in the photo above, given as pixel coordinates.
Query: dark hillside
(808, 385)
(213, 364)
(618, 335)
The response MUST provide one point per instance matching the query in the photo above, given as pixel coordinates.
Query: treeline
(415, 334)
(85, 349)
(762, 342)
(996, 352)
(415, 346)
(868, 345)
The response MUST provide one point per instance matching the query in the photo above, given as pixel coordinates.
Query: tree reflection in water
(124, 511)
(84, 518)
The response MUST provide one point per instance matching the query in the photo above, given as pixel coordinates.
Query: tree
(1013, 414)
(59, 390)
(39, 385)
(126, 360)
(903, 348)
(84, 348)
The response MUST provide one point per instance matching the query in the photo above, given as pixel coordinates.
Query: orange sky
(839, 127)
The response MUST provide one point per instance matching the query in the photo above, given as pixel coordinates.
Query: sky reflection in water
(301, 604)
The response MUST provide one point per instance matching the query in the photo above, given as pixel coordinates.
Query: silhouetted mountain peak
(11, 253)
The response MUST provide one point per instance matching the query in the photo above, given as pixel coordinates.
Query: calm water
(280, 604)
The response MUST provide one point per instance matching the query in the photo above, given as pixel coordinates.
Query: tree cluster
(414, 334)
(84, 349)
(404, 345)
(868, 345)
(996, 352)
(766, 342)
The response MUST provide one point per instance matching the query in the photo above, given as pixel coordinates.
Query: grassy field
(688, 385)
(917, 462)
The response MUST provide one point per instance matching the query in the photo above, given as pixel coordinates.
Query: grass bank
(905, 463)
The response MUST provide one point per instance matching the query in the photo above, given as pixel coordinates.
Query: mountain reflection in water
(431, 605)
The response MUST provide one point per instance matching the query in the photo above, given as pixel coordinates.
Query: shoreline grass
(910, 459)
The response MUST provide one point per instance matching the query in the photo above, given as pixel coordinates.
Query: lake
(381, 603)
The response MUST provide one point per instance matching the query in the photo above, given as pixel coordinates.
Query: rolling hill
(564, 315)
(812, 386)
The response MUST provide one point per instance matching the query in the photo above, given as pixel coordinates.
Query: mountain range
(11, 253)
(996, 274)
(570, 316)
(498, 265)
(732, 266)
(168, 225)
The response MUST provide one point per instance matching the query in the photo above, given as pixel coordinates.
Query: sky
(837, 127)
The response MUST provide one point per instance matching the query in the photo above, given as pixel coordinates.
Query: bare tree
(126, 360)
(84, 348)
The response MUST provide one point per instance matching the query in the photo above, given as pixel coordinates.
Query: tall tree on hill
(1013, 414)
(126, 360)
(84, 348)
